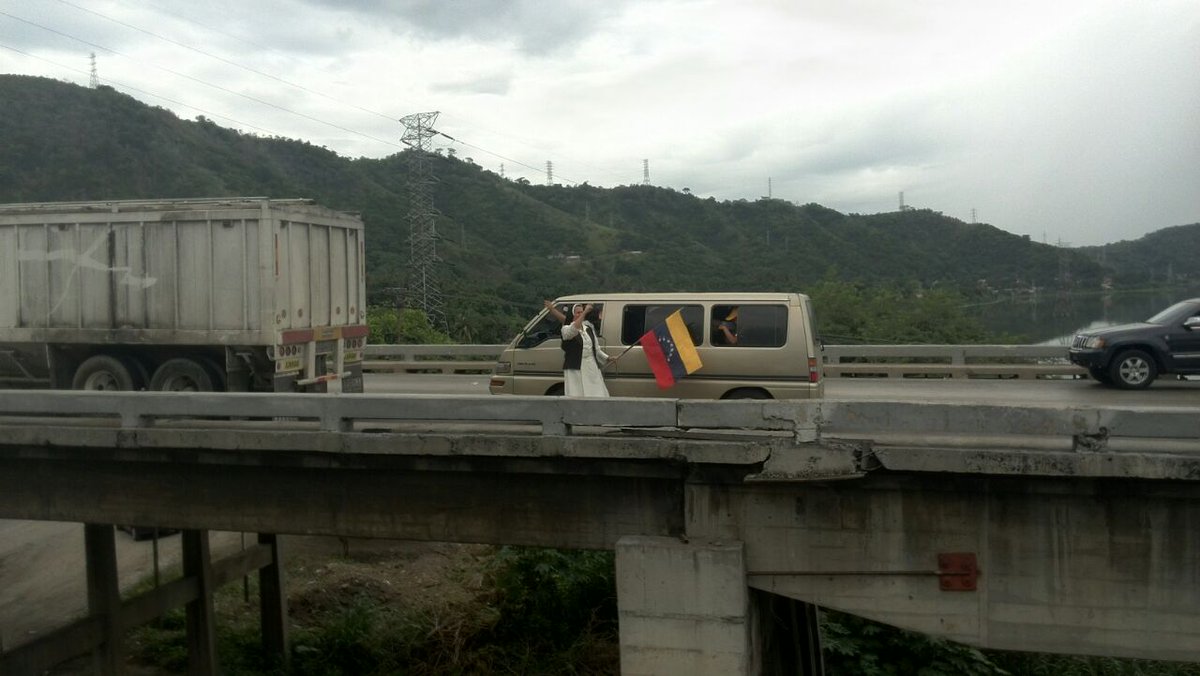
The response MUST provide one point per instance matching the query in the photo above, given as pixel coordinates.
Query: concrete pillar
(104, 595)
(201, 633)
(684, 608)
(273, 604)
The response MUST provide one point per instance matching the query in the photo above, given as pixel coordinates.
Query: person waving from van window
(725, 331)
(583, 361)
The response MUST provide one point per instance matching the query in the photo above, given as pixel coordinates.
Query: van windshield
(544, 327)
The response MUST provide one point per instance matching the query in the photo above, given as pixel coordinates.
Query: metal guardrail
(431, 358)
(949, 361)
(841, 361)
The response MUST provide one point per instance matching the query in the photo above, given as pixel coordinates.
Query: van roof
(675, 296)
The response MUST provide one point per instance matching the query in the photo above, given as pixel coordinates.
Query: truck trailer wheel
(102, 372)
(181, 375)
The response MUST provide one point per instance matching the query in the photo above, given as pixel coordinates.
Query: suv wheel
(1133, 370)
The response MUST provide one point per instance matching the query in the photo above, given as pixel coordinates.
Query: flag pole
(626, 350)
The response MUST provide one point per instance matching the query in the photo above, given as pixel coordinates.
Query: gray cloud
(534, 26)
(484, 84)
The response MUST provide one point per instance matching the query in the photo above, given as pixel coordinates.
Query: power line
(256, 72)
(231, 36)
(203, 82)
(227, 61)
(264, 74)
(142, 91)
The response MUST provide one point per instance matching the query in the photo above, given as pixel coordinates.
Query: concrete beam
(442, 501)
(1099, 567)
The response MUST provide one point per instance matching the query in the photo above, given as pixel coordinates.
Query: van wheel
(105, 373)
(747, 393)
(1133, 370)
(181, 375)
(555, 390)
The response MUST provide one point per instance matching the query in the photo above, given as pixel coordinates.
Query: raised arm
(554, 311)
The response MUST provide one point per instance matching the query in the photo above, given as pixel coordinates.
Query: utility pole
(423, 290)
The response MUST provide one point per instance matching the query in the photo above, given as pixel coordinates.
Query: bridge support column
(104, 595)
(791, 637)
(273, 604)
(684, 608)
(201, 633)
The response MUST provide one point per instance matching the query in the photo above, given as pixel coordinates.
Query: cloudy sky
(1071, 121)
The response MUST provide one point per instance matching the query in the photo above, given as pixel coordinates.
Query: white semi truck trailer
(238, 294)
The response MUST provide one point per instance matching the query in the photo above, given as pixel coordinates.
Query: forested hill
(1166, 256)
(506, 244)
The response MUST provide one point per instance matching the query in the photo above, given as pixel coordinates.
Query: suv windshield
(1165, 316)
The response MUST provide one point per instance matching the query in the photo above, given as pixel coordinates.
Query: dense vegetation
(505, 244)
(1163, 257)
(537, 612)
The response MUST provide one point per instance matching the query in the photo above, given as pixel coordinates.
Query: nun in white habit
(584, 360)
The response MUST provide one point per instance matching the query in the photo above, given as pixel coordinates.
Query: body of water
(1052, 319)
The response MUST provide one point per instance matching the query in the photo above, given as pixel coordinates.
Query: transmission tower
(549, 172)
(645, 172)
(94, 80)
(423, 290)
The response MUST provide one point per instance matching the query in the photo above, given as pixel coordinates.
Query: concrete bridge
(1045, 528)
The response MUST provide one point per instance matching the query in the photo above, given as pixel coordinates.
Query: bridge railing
(967, 438)
(841, 361)
(431, 358)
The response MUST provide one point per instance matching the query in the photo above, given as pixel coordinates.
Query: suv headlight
(1094, 343)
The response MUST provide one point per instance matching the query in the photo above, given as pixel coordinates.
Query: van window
(546, 329)
(636, 320)
(751, 325)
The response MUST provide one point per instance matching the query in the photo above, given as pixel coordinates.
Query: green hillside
(1163, 257)
(505, 244)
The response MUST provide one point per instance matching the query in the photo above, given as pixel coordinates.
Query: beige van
(766, 348)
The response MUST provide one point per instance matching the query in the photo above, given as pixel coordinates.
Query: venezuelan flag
(670, 351)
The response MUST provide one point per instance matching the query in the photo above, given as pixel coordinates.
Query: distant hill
(508, 244)
(1166, 256)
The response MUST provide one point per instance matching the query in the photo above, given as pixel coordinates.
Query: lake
(1053, 320)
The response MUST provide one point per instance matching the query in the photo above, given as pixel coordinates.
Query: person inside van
(583, 360)
(725, 331)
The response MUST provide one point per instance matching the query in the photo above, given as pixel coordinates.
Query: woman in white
(586, 380)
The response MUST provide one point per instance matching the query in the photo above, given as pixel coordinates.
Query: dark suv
(1131, 356)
